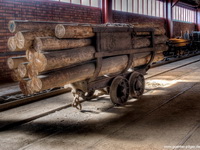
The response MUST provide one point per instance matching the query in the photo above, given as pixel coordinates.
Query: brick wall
(124, 17)
(182, 26)
(39, 10)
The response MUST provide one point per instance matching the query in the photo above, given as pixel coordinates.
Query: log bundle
(60, 54)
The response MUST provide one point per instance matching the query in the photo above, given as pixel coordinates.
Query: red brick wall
(123, 17)
(39, 10)
(182, 26)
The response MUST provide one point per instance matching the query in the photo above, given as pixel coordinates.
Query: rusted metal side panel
(116, 41)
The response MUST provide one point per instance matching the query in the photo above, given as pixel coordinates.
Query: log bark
(13, 62)
(145, 60)
(141, 42)
(22, 70)
(160, 39)
(24, 40)
(161, 48)
(12, 45)
(78, 73)
(65, 58)
(24, 25)
(49, 43)
(49, 61)
(69, 31)
(70, 75)
(158, 31)
(147, 25)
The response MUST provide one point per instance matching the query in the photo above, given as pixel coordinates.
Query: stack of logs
(60, 54)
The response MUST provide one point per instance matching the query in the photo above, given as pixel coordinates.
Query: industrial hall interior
(99, 74)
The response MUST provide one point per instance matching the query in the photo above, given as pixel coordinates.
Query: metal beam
(107, 11)
(174, 2)
(169, 18)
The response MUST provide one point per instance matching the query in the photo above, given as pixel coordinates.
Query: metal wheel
(119, 90)
(137, 84)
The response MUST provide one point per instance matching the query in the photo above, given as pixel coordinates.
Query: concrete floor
(167, 116)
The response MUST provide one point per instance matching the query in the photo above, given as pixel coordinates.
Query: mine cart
(178, 47)
(128, 83)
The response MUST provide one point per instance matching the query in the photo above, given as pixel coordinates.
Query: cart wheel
(119, 90)
(137, 84)
(87, 95)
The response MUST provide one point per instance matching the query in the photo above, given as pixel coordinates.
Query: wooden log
(160, 39)
(69, 31)
(24, 40)
(13, 62)
(50, 43)
(161, 48)
(49, 61)
(145, 60)
(15, 75)
(31, 70)
(78, 73)
(158, 31)
(22, 70)
(147, 25)
(26, 87)
(61, 59)
(12, 45)
(30, 55)
(25, 25)
(141, 42)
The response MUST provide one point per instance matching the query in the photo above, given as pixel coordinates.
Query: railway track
(16, 99)
(60, 91)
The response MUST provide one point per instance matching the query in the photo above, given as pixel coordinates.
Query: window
(184, 14)
(92, 3)
(145, 7)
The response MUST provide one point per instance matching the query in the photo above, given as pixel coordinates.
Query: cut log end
(12, 44)
(40, 61)
(20, 40)
(22, 69)
(37, 84)
(31, 71)
(59, 31)
(15, 76)
(10, 63)
(12, 26)
(26, 87)
(30, 55)
(37, 44)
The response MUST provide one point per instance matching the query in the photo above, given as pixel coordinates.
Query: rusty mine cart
(130, 82)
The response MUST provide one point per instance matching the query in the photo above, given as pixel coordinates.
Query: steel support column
(198, 20)
(169, 18)
(107, 11)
